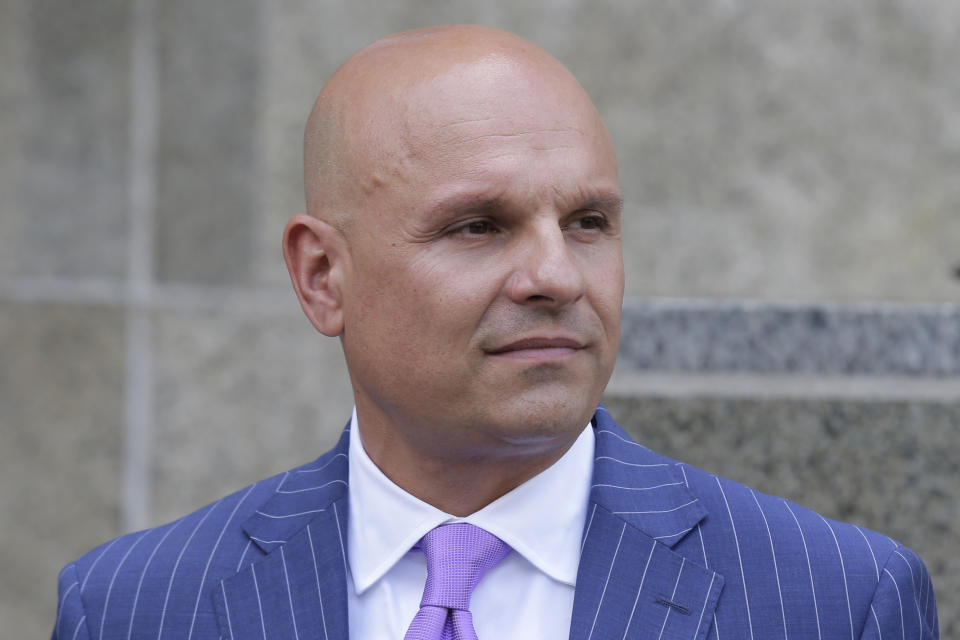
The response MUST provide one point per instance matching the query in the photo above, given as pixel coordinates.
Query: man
(463, 242)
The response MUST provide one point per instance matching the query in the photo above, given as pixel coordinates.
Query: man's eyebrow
(464, 204)
(468, 204)
(611, 202)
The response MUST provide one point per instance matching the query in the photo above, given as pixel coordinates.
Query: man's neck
(458, 485)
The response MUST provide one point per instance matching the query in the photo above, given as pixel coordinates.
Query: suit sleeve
(903, 605)
(71, 622)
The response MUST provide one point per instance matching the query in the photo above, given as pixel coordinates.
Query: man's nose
(546, 272)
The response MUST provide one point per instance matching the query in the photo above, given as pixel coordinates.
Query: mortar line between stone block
(63, 290)
(748, 304)
(138, 419)
(138, 392)
(787, 386)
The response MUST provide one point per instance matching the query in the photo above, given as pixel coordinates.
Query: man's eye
(591, 223)
(477, 228)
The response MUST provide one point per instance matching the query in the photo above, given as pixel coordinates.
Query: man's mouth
(538, 348)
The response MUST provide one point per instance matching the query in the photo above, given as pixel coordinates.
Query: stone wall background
(778, 151)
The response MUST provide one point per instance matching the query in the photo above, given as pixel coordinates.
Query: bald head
(358, 135)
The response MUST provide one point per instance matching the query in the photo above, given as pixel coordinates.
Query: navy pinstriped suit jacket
(668, 552)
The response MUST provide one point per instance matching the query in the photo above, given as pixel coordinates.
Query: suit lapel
(630, 583)
(298, 590)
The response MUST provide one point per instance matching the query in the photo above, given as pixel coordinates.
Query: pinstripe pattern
(736, 544)
(143, 573)
(176, 565)
(773, 555)
(668, 552)
(316, 574)
(673, 594)
(206, 568)
(114, 579)
(226, 609)
(103, 552)
(636, 600)
(286, 579)
(606, 583)
(256, 591)
(843, 569)
(76, 631)
(813, 585)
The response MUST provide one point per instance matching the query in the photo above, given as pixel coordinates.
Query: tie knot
(458, 555)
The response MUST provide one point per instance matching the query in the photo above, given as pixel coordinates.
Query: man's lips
(538, 348)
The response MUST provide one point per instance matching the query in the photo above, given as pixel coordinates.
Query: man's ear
(315, 251)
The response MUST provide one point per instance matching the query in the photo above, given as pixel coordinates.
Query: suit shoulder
(199, 546)
(161, 578)
(756, 517)
(756, 514)
(804, 566)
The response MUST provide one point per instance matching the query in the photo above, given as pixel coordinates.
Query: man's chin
(541, 418)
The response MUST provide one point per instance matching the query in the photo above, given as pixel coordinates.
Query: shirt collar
(542, 519)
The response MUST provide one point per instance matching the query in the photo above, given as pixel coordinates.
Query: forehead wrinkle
(442, 144)
(462, 121)
(475, 121)
(562, 129)
(518, 134)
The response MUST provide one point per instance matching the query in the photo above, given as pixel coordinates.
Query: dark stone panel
(71, 204)
(207, 164)
(712, 336)
(890, 466)
(61, 461)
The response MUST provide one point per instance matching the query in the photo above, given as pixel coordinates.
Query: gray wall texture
(800, 155)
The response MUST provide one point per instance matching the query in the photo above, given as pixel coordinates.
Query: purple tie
(458, 555)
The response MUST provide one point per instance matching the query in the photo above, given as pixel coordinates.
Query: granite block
(890, 466)
(239, 399)
(815, 338)
(70, 201)
(61, 380)
(208, 164)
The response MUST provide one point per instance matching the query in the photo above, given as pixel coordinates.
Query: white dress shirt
(529, 594)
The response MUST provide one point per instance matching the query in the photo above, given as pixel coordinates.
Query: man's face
(483, 290)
